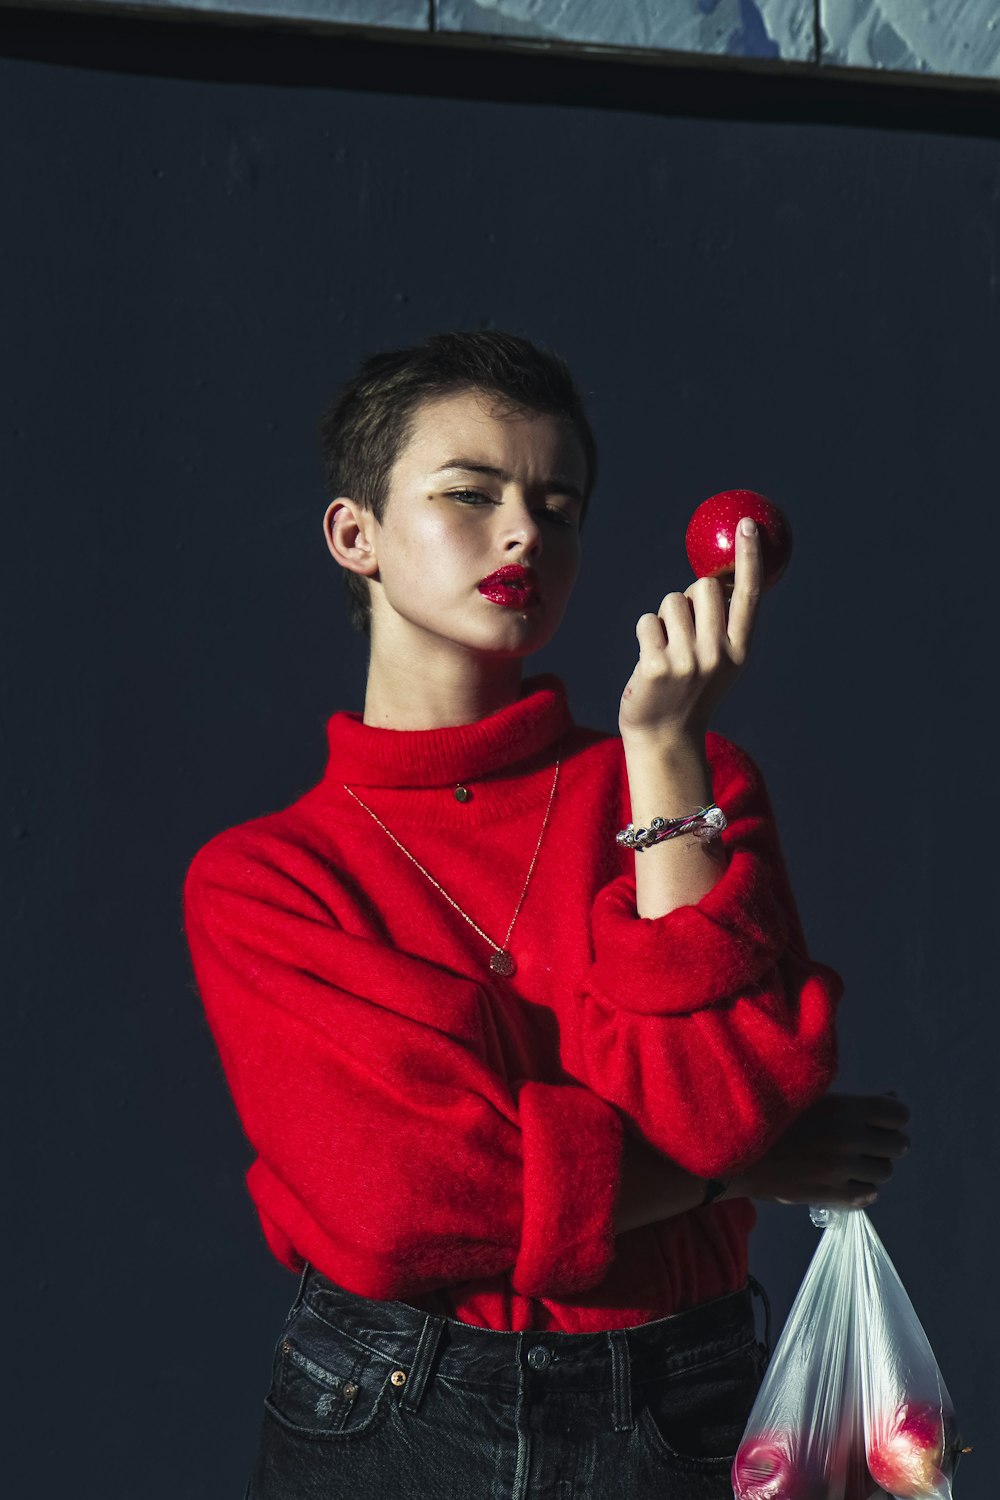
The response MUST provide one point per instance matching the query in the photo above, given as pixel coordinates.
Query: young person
(512, 1081)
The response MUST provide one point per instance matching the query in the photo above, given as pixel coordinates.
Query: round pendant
(503, 963)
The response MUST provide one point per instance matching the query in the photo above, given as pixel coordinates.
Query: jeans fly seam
(522, 1462)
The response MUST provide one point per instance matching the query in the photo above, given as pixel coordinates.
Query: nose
(520, 529)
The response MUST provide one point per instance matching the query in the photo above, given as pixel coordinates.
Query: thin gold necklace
(502, 960)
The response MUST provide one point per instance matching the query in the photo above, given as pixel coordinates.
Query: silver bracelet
(707, 823)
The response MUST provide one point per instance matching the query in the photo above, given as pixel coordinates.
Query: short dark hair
(370, 419)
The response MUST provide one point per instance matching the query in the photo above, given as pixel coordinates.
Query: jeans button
(538, 1357)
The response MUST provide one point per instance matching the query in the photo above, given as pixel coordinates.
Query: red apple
(710, 538)
(768, 1468)
(906, 1452)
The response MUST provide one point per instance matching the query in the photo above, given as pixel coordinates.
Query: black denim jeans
(371, 1398)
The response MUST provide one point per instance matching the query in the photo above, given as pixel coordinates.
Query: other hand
(690, 652)
(837, 1153)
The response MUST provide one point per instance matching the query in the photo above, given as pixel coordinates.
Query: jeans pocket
(697, 1416)
(325, 1384)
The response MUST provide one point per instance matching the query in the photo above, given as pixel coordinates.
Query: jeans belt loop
(427, 1347)
(306, 1268)
(621, 1381)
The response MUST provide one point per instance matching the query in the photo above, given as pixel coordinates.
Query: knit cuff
(693, 956)
(572, 1149)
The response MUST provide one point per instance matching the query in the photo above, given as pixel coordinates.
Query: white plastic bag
(853, 1398)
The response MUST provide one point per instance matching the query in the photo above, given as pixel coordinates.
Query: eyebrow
(563, 486)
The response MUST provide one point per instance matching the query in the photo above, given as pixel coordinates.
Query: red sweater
(427, 1131)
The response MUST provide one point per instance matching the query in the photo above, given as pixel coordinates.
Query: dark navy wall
(757, 286)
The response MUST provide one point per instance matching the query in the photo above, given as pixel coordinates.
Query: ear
(350, 530)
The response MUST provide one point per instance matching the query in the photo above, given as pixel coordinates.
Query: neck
(438, 691)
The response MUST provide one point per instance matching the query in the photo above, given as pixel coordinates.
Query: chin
(519, 634)
(517, 651)
(485, 630)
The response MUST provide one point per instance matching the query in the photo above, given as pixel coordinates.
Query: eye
(464, 494)
(557, 514)
(477, 498)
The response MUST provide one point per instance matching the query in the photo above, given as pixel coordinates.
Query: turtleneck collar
(362, 755)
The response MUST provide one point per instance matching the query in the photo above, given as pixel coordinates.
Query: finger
(746, 591)
(847, 1195)
(885, 1110)
(877, 1142)
(877, 1170)
(708, 603)
(678, 620)
(650, 633)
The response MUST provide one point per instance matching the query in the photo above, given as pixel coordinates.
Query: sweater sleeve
(391, 1150)
(710, 1027)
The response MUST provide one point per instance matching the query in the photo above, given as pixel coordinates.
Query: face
(448, 525)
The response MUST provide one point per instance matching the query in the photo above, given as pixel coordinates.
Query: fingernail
(747, 526)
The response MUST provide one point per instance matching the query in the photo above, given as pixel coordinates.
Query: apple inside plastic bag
(853, 1405)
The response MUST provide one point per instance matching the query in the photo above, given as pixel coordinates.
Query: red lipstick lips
(513, 586)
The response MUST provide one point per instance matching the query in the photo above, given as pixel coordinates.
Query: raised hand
(690, 652)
